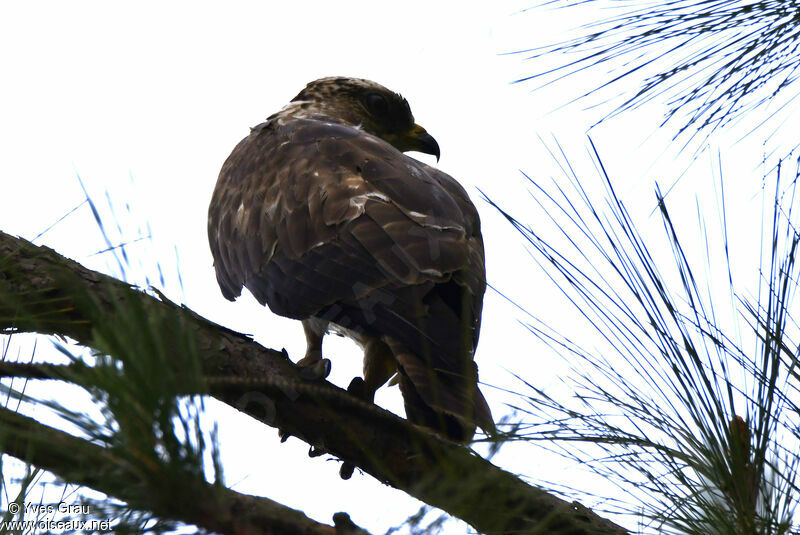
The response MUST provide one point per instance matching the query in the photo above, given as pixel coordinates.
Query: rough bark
(41, 291)
(189, 500)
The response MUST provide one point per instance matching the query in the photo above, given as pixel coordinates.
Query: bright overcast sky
(145, 100)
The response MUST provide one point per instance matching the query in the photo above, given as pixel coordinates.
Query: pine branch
(38, 370)
(41, 291)
(715, 60)
(212, 507)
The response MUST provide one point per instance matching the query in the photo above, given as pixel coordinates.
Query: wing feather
(322, 219)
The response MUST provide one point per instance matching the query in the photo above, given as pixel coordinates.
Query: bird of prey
(320, 215)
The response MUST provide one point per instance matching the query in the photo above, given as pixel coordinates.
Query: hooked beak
(416, 139)
(424, 141)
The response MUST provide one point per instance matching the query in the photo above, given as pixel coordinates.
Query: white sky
(145, 100)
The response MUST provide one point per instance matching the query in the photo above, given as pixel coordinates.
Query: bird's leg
(313, 366)
(379, 366)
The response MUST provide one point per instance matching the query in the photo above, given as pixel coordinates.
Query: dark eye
(376, 104)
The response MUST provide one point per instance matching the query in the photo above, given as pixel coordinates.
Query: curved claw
(358, 388)
(315, 369)
(346, 471)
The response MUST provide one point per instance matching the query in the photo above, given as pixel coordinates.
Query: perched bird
(320, 215)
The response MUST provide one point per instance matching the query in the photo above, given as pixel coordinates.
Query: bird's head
(367, 105)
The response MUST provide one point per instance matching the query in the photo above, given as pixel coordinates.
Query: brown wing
(321, 219)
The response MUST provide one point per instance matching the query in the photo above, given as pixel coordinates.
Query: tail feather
(452, 405)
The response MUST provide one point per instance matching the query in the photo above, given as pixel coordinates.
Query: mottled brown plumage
(320, 216)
